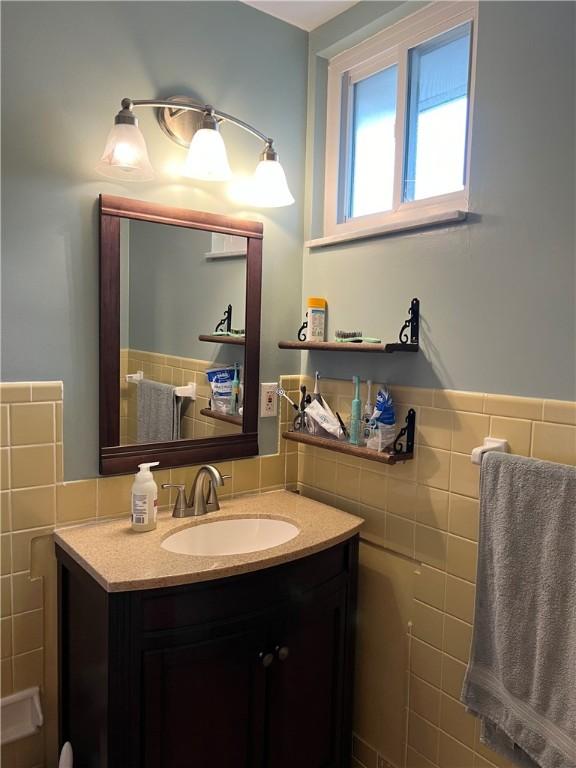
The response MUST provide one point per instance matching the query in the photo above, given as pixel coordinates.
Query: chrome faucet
(198, 503)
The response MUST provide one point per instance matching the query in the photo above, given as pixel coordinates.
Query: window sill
(423, 221)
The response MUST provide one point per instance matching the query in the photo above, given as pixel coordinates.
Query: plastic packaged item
(382, 424)
(322, 416)
(221, 382)
(356, 415)
(144, 499)
(316, 319)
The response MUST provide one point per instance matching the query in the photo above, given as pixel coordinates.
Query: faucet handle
(180, 503)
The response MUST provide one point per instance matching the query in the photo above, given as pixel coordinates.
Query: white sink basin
(231, 537)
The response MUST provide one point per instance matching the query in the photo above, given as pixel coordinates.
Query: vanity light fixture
(126, 157)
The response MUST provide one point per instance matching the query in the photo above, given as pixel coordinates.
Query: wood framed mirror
(180, 298)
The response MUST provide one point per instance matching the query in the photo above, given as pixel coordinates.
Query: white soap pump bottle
(144, 499)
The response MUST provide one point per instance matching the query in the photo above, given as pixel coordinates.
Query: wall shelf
(399, 454)
(239, 341)
(344, 346)
(229, 418)
(405, 343)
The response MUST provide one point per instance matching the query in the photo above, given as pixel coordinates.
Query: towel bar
(188, 390)
(490, 444)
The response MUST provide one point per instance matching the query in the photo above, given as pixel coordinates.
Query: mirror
(180, 327)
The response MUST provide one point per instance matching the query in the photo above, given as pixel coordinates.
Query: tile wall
(418, 554)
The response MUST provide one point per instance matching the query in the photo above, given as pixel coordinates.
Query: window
(399, 119)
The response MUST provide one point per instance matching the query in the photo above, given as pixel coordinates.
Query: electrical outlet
(269, 399)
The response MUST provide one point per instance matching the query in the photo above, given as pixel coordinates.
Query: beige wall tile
(47, 390)
(373, 488)
(464, 516)
(114, 495)
(560, 411)
(416, 760)
(6, 684)
(453, 672)
(554, 442)
(22, 544)
(347, 481)
(5, 596)
(27, 631)
(31, 423)
(460, 598)
(325, 474)
(433, 467)
(5, 554)
(434, 428)
(469, 430)
(76, 501)
(453, 754)
(33, 507)
(427, 624)
(426, 662)
(28, 670)
(430, 586)
(364, 753)
(401, 498)
(462, 558)
(59, 455)
(291, 468)
(4, 425)
(517, 431)
(425, 700)
(5, 512)
(432, 507)
(456, 721)
(4, 469)
(6, 637)
(32, 465)
(400, 535)
(246, 475)
(458, 401)
(430, 546)
(13, 392)
(412, 396)
(464, 476)
(27, 593)
(514, 407)
(272, 471)
(423, 736)
(457, 638)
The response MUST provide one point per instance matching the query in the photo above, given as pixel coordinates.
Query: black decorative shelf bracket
(226, 323)
(413, 323)
(408, 432)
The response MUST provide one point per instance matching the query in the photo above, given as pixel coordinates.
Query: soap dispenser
(144, 499)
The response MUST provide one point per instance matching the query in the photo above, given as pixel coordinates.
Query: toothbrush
(235, 389)
(285, 396)
(317, 395)
(355, 413)
(368, 407)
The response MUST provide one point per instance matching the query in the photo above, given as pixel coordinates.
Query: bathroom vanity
(218, 661)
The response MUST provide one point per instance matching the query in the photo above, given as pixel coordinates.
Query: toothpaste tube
(221, 382)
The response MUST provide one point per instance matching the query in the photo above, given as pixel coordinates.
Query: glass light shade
(125, 155)
(270, 188)
(207, 159)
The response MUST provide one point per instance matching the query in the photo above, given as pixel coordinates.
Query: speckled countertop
(121, 560)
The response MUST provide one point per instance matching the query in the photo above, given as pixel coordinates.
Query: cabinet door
(204, 703)
(305, 694)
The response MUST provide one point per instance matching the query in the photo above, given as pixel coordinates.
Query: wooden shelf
(239, 341)
(229, 418)
(348, 346)
(342, 447)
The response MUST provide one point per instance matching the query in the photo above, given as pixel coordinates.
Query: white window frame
(384, 49)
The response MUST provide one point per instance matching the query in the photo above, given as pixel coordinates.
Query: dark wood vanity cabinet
(252, 671)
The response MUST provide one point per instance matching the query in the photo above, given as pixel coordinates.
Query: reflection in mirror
(182, 320)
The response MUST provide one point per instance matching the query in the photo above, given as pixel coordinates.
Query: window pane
(437, 115)
(372, 150)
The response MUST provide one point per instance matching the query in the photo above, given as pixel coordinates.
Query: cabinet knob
(266, 659)
(283, 652)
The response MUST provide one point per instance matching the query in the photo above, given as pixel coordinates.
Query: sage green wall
(498, 293)
(65, 67)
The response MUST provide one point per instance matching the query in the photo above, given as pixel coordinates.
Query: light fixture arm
(203, 109)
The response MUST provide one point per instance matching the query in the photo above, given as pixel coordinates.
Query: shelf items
(401, 452)
(408, 339)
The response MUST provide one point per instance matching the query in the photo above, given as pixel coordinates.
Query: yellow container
(316, 319)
